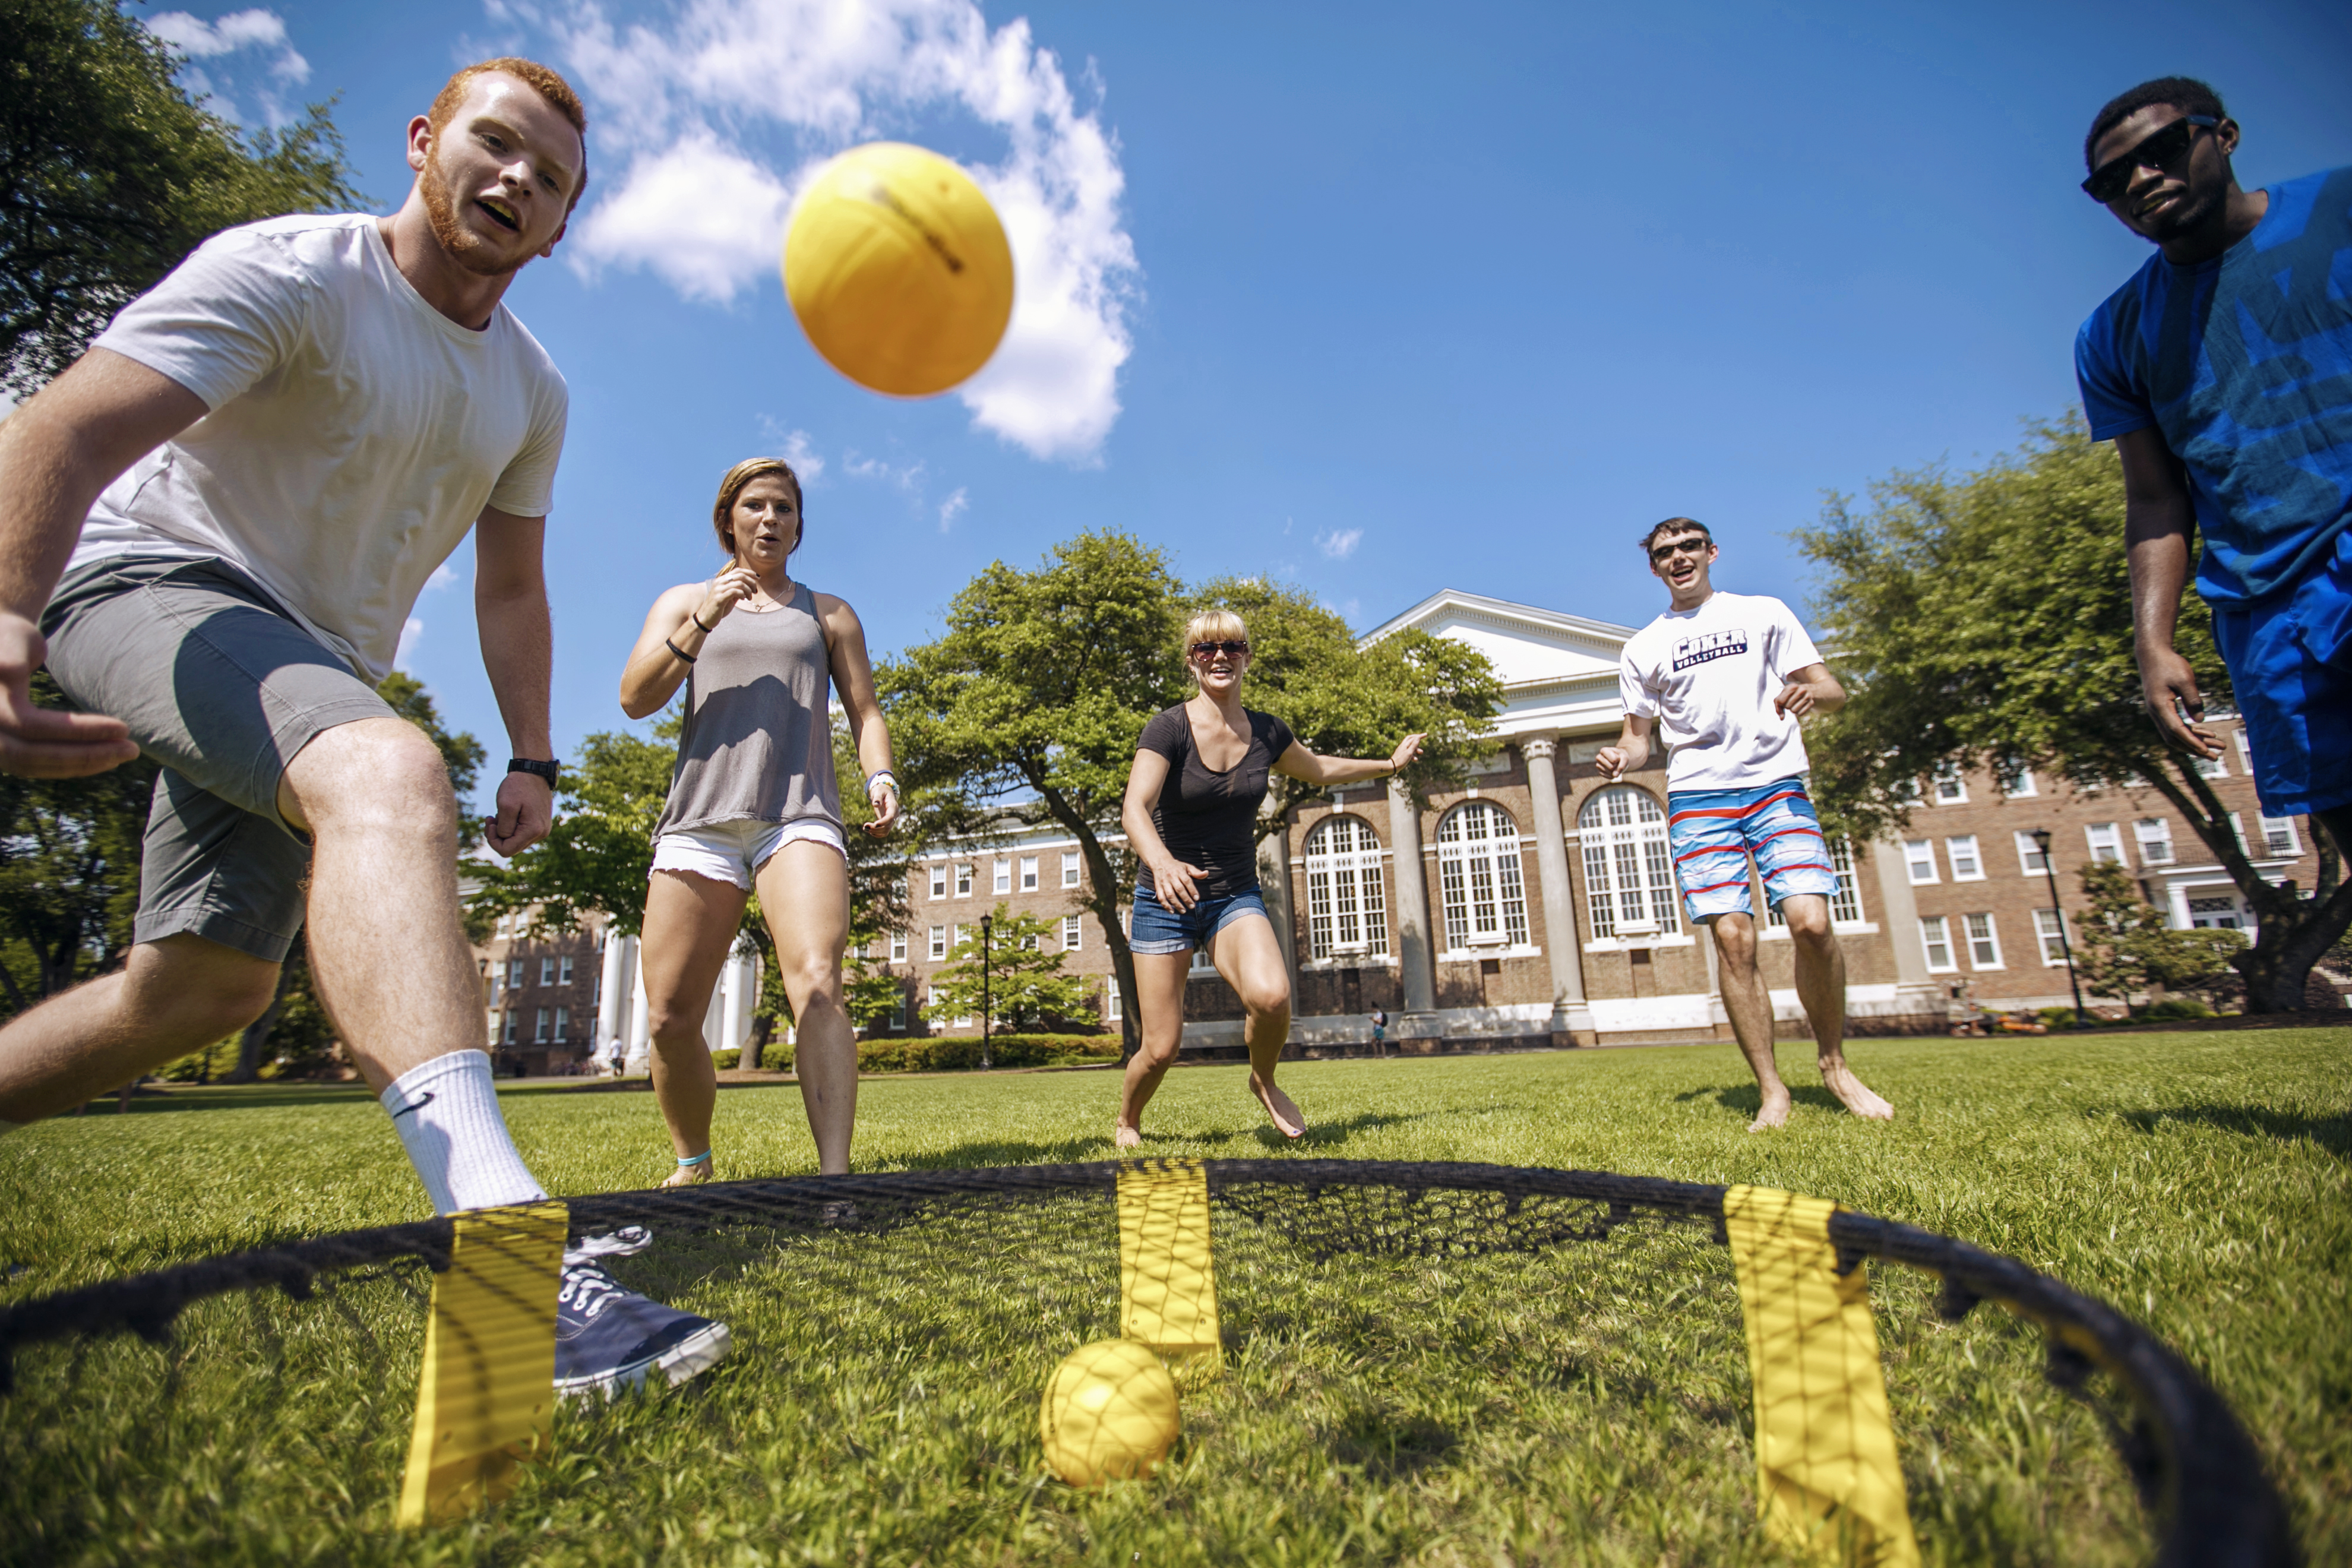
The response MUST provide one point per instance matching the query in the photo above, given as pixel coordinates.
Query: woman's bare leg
(690, 924)
(804, 893)
(1245, 954)
(1160, 1004)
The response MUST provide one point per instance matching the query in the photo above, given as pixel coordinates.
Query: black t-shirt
(1206, 818)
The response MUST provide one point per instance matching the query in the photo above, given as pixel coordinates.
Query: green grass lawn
(1589, 1404)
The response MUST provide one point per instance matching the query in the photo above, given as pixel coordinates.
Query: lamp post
(2041, 836)
(987, 922)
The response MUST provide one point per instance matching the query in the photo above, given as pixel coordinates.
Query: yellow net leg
(489, 1388)
(1167, 1286)
(1828, 1482)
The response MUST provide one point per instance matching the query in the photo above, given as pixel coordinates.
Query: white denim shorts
(734, 851)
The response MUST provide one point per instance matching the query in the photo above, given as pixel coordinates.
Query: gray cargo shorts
(221, 687)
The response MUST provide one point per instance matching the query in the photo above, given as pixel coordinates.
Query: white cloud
(907, 476)
(411, 634)
(802, 454)
(954, 507)
(690, 108)
(282, 66)
(1338, 543)
(443, 576)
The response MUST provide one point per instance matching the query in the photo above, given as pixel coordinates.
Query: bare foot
(1852, 1093)
(690, 1175)
(1278, 1106)
(1775, 1111)
(1125, 1137)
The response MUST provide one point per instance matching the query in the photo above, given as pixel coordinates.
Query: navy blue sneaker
(609, 1340)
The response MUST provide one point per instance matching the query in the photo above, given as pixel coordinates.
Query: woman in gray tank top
(753, 801)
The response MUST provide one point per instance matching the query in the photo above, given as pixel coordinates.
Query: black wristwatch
(526, 765)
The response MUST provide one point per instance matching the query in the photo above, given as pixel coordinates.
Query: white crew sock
(447, 1115)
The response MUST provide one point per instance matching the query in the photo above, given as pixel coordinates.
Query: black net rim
(2198, 1472)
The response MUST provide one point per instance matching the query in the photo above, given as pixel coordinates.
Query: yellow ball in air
(897, 269)
(1110, 1411)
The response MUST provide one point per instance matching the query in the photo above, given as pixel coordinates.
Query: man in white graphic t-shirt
(1724, 678)
(212, 528)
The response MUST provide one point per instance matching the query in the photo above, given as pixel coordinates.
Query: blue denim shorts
(1156, 928)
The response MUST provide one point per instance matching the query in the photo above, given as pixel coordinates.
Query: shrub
(2179, 1007)
(726, 1061)
(961, 1053)
(2058, 1017)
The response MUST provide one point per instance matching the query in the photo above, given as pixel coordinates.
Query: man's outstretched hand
(526, 811)
(48, 742)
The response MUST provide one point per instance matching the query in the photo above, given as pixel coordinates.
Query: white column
(612, 996)
(1898, 917)
(1416, 962)
(639, 1056)
(1570, 1014)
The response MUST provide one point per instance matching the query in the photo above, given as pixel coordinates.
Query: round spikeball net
(1375, 1361)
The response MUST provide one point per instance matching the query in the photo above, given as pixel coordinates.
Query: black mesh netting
(1409, 1313)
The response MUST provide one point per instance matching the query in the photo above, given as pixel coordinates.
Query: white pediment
(1558, 670)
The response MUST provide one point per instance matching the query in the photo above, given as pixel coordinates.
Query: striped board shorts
(1713, 831)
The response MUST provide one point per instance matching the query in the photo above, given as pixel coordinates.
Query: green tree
(1984, 620)
(109, 174)
(1026, 709)
(1306, 670)
(70, 856)
(1026, 984)
(2128, 945)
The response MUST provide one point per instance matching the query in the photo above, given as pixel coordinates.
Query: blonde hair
(1210, 625)
(732, 486)
(547, 83)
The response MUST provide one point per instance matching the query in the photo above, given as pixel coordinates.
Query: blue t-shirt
(2244, 362)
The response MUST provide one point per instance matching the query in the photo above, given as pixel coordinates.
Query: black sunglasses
(1230, 649)
(1697, 546)
(2158, 149)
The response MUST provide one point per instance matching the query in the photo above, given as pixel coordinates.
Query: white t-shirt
(1708, 677)
(355, 432)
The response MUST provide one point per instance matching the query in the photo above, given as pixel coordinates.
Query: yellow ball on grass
(1109, 1412)
(898, 269)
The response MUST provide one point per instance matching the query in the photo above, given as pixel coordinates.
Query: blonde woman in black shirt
(1191, 816)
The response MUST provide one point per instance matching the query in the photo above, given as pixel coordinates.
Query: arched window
(1629, 872)
(1347, 910)
(1478, 873)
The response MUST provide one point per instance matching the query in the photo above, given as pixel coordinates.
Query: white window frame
(1967, 857)
(2159, 841)
(2049, 929)
(2030, 861)
(1029, 883)
(2112, 842)
(1990, 937)
(514, 975)
(539, 1028)
(1111, 1010)
(1073, 928)
(2019, 785)
(1948, 786)
(897, 1009)
(938, 943)
(1482, 891)
(1919, 853)
(899, 946)
(1630, 888)
(563, 969)
(514, 1021)
(2216, 767)
(1347, 897)
(938, 882)
(2245, 751)
(547, 969)
(1070, 867)
(956, 938)
(1003, 882)
(2280, 840)
(563, 1026)
(963, 880)
(1935, 932)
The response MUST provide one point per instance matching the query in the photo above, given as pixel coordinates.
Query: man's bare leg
(1821, 988)
(1159, 1006)
(387, 941)
(1749, 1002)
(804, 893)
(1245, 954)
(170, 997)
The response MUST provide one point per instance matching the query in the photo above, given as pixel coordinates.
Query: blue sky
(1378, 299)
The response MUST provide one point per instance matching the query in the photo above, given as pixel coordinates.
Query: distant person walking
(753, 800)
(1725, 678)
(1191, 816)
(2219, 372)
(1380, 1032)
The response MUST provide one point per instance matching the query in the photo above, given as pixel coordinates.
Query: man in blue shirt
(2222, 371)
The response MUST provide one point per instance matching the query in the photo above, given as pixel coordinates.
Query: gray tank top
(758, 741)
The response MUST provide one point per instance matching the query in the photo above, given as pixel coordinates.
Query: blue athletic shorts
(1713, 831)
(2291, 665)
(1156, 928)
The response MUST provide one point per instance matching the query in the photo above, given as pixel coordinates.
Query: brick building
(539, 995)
